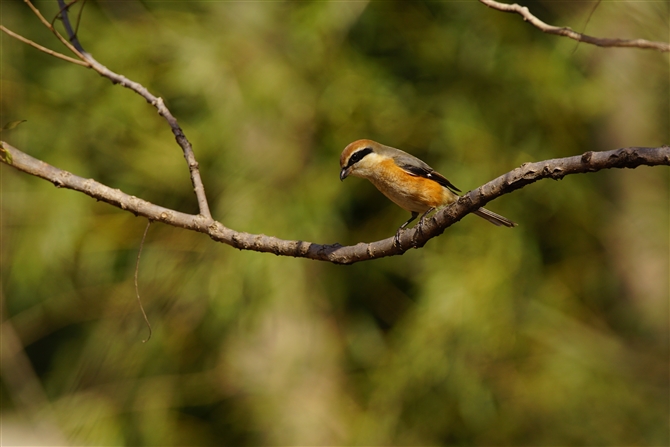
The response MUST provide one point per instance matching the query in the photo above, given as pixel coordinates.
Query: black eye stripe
(358, 156)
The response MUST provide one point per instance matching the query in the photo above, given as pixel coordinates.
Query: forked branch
(88, 61)
(336, 253)
(518, 178)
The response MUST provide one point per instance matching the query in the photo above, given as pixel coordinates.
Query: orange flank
(410, 192)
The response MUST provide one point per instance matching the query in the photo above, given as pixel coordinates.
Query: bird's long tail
(495, 219)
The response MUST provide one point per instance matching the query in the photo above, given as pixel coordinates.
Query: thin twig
(137, 289)
(81, 12)
(63, 14)
(524, 175)
(58, 35)
(588, 19)
(567, 32)
(43, 49)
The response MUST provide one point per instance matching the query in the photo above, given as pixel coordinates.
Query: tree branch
(567, 32)
(41, 48)
(157, 102)
(526, 174)
(50, 27)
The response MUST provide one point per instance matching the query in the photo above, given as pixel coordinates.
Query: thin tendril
(588, 19)
(137, 290)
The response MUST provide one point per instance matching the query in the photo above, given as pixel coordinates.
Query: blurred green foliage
(554, 333)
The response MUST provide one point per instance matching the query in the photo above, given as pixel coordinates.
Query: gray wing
(414, 166)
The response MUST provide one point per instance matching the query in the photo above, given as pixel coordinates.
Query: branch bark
(87, 59)
(526, 174)
(567, 32)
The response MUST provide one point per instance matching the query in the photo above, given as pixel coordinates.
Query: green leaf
(11, 125)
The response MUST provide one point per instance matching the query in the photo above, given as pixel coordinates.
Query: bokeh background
(553, 333)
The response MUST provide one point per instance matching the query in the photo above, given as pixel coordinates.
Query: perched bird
(407, 181)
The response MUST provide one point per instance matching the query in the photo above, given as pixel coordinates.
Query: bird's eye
(358, 156)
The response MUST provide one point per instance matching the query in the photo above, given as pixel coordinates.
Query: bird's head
(360, 158)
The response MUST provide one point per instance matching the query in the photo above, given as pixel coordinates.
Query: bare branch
(58, 35)
(41, 48)
(163, 111)
(567, 32)
(518, 178)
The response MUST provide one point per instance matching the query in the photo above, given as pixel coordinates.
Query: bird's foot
(419, 226)
(396, 238)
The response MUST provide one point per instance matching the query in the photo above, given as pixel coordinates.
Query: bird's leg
(423, 218)
(419, 226)
(396, 239)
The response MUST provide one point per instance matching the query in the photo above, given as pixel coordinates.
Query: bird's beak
(344, 173)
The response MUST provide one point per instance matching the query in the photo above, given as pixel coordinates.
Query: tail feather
(495, 219)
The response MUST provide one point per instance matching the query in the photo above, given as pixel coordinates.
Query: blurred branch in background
(25, 390)
(524, 12)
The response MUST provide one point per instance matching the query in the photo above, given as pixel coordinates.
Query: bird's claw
(419, 227)
(396, 238)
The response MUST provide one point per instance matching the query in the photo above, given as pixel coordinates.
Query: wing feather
(416, 167)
